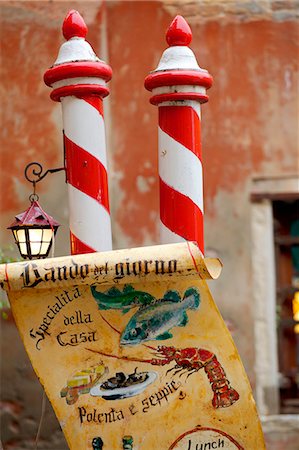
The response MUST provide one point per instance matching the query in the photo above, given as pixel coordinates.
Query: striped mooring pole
(78, 78)
(179, 86)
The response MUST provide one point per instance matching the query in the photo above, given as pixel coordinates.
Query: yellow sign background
(196, 394)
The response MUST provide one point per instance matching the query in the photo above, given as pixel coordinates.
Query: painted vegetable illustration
(82, 382)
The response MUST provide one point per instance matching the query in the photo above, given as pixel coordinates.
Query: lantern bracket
(34, 173)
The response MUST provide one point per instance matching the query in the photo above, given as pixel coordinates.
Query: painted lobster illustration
(191, 360)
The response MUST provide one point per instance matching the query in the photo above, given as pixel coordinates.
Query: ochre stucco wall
(250, 127)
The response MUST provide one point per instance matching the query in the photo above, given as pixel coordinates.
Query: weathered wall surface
(250, 127)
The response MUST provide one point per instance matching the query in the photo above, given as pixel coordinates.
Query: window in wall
(286, 238)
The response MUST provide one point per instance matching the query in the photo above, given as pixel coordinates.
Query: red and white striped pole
(179, 86)
(78, 78)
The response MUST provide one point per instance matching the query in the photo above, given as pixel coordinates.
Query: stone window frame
(264, 191)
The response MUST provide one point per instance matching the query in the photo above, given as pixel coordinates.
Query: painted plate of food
(123, 386)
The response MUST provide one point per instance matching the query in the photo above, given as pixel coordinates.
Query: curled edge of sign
(118, 266)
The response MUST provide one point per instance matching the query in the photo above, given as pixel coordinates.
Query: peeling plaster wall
(250, 127)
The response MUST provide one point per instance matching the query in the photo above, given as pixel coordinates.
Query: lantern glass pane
(35, 238)
(35, 234)
(48, 234)
(44, 248)
(23, 248)
(20, 236)
(47, 239)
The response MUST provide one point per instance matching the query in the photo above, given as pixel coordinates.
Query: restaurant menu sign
(132, 350)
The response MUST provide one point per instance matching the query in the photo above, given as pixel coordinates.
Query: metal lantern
(34, 232)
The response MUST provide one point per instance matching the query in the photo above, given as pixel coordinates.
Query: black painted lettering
(87, 318)
(151, 399)
(170, 387)
(50, 275)
(159, 267)
(42, 337)
(173, 384)
(30, 275)
(59, 339)
(49, 316)
(57, 307)
(62, 273)
(44, 329)
(34, 336)
(76, 293)
(82, 413)
(109, 417)
(66, 320)
(52, 310)
(62, 300)
(74, 339)
(46, 322)
(92, 336)
(83, 337)
(69, 299)
(137, 267)
(172, 266)
(73, 270)
(165, 393)
(119, 269)
(146, 405)
(84, 271)
(120, 415)
(146, 264)
(159, 396)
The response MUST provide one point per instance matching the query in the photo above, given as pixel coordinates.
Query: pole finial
(74, 25)
(178, 67)
(179, 32)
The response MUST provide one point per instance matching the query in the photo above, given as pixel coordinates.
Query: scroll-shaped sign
(132, 350)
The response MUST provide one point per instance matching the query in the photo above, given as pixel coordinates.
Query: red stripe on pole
(86, 173)
(78, 247)
(94, 101)
(181, 215)
(183, 125)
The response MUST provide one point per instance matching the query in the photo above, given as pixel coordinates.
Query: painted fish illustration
(155, 321)
(116, 299)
